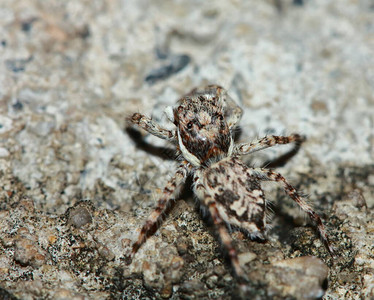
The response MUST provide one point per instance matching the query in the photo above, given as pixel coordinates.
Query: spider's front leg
(152, 127)
(170, 191)
(266, 174)
(266, 142)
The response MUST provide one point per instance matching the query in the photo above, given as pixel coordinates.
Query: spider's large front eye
(189, 125)
(219, 116)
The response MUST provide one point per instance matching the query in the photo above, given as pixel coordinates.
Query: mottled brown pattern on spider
(231, 191)
(240, 202)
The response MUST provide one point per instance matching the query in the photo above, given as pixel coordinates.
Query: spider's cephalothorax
(203, 133)
(231, 191)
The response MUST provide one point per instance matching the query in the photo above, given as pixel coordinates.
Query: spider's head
(203, 134)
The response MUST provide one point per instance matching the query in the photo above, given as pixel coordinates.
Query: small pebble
(4, 152)
(79, 216)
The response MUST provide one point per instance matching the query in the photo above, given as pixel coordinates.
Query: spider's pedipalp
(169, 113)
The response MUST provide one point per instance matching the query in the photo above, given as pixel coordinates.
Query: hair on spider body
(230, 191)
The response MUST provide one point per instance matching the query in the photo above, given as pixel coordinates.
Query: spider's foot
(299, 139)
(135, 118)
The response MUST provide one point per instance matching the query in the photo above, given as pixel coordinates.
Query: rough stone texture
(75, 187)
(301, 277)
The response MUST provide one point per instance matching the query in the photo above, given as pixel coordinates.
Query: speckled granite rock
(76, 186)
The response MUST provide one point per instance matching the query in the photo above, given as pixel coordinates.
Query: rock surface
(76, 186)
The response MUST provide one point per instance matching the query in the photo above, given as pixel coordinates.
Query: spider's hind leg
(265, 174)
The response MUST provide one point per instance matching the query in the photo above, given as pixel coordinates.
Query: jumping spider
(205, 120)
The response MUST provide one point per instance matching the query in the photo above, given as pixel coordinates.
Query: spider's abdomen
(238, 197)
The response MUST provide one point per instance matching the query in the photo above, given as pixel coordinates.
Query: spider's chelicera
(231, 191)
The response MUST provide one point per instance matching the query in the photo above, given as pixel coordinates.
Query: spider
(205, 120)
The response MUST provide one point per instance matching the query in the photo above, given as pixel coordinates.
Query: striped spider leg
(231, 191)
(169, 194)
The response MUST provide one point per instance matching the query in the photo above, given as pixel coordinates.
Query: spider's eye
(189, 125)
(219, 116)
